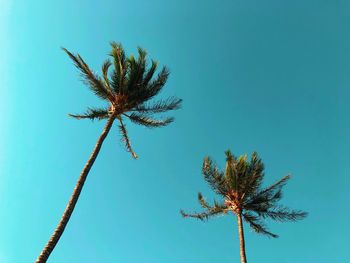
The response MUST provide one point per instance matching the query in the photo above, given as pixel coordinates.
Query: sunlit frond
(214, 177)
(94, 82)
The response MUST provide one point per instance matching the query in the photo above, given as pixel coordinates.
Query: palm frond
(141, 62)
(278, 185)
(264, 200)
(268, 196)
(255, 175)
(150, 72)
(92, 80)
(120, 67)
(92, 113)
(160, 106)
(282, 214)
(136, 71)
(215, 210)
(126, 139)
(231, 172)
(105, 68)
(201, 216)
(155, 86)
(145, 120)
(213, 176)
(257, 225)
(202, 201)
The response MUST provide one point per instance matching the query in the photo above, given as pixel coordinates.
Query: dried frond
(211, 211)
(126, 139)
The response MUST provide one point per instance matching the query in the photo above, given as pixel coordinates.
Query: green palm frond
(281, 213)
(253, 179)
(92, 80)
(137, 70)
(231, 172)
(92, 113)
(213, 176)
(120, 67)
(160, 106)
(145, 120)
(150, 72)
(257, 225)
(105, 68)
(276, 186)
(154, 86)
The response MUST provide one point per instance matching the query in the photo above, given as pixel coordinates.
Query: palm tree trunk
(74, 197)
(241, 238)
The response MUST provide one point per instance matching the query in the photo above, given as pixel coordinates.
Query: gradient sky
(268, 76)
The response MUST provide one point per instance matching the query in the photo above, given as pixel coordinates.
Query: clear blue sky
(270, 76)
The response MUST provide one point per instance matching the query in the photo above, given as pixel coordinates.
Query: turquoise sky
(271, 76)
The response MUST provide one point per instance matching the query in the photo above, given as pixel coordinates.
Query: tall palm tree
(240, 189)
(127, 90)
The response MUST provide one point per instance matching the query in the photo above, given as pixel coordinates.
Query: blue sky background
(270, 76)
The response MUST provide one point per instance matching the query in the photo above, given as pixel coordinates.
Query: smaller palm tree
(240, 188)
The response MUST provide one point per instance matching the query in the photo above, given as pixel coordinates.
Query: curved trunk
(74, 197)
(241, 239)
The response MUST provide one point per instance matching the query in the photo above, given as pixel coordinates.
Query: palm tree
(240, 188)
(127, 90)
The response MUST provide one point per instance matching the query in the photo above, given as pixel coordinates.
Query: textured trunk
(241, 239)
(74, 197)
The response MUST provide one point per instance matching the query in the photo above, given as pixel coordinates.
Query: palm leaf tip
(229, 155)
(116, 47)
(142, 52)
(202, 201)
(182, 212)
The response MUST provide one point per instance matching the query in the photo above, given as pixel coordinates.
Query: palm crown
(240, 187)
(129, 87)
